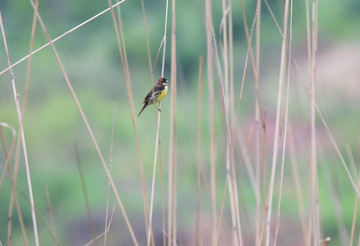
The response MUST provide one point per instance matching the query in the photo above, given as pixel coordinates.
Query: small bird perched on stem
(156, 94)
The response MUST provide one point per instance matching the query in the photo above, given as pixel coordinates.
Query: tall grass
(236, 201)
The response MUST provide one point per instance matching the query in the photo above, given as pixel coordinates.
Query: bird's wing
(147, 98)
(153, 94)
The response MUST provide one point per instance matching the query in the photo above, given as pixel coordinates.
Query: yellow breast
(163, 94)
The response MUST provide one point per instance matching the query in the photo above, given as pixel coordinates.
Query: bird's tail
(142, 110)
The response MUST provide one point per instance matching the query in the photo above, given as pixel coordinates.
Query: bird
(156, 94)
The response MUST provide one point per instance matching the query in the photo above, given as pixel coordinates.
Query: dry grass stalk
(22, 136)
(153, 180)
(163, 203)
(32, 37)
(268, 206)
(285, 125)
(173, 161)
(158, 124)
(258, 130)
(315, 207)
(259, 112)
(199, 157)
(210, 72)
(147, 42)
(309, 55)
(228, 116)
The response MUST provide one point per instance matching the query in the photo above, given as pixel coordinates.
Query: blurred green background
(53, 125)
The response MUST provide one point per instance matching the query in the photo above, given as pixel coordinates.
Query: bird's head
(161, 81)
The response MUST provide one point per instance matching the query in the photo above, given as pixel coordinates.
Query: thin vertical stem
(164, 38)
(210, 72)
(259, 112)
(32, 37)
(285, 127)
(22, 136)
(147, 41)
(163, 206)
(314, 178)
(277, 124)
(225, 53)
(231, 63)
(158, 125)
(173, 160)
(153, 179)
(198, 152)
(258, 131)
(229, 143)
(308, 31)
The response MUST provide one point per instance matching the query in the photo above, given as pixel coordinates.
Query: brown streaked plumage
(156, 94)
